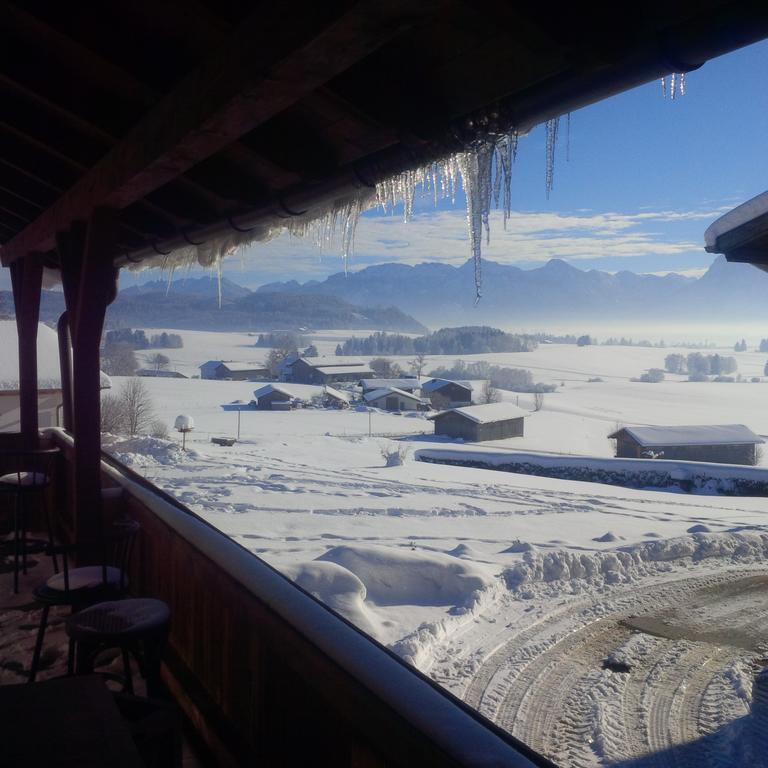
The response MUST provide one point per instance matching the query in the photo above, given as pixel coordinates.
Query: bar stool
(138, 626)
(87, 585)
(30, 477)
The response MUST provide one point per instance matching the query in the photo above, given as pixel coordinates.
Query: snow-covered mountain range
(439, 294)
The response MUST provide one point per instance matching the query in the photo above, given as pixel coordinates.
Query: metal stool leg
(39, 643)
(16, 546)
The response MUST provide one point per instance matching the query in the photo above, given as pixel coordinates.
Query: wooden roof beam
(238, 88)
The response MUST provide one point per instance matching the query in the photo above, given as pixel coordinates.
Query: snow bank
(562, 569)
(693, 476)
(398, 577)
(146, 451)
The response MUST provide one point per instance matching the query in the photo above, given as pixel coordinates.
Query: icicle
(672, 85)
(682, 83)
(568, 138)
(551, 128)
(663, 87)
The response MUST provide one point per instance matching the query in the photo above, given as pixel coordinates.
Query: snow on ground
(553, 606)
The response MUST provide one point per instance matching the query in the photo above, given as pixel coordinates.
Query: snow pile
(339, 589)
(396, 577)
(146, 451)
(563, 568)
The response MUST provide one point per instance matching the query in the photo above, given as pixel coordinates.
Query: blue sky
(646, 176)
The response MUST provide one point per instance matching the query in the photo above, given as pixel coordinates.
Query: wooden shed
(445, 392)
(394, 399)
(241, 371)
(327, 370)
(475, 423)
(724, 443)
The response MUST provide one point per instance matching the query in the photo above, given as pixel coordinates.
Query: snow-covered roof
(211, 364)
(752, 209)
(720, 434)
(485, 414)
(332, 369)
(375, 394)
(337, 393)
(291, 391)
(368, 384)
(48, 373)
(433, 384)
(328, 361)
(232, 366)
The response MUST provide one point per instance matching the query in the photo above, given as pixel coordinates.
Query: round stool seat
(23, 480)
(119, 620)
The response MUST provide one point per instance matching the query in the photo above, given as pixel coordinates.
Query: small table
(68, 722)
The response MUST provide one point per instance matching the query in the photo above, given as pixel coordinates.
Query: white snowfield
(599, 623)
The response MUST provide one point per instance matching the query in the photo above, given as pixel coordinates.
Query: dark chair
(26, 477)
(138, 626)
(87, 585)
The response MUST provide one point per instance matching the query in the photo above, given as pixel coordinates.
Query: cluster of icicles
(483, 168)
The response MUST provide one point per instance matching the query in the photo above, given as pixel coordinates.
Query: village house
(409, 384)
(393, 399)
(155, 373)
(327, 370)
(208, 369)
(444, 393)
(241, 371)
(724, 443)
(475, 423)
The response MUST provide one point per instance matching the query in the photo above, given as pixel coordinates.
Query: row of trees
(515, 379)
(137, 339)
(698, 364)
(464, 340)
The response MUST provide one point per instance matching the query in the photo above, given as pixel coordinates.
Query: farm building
(475, 423)
(241, 371)
(393, 399)
(326, 370)
(278, 397)
(725, 444)
(158, 374)
(335, 398)
(444, 393)
(406, 385)
(208, 369)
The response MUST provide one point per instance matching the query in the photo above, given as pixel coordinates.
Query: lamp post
(184, 424)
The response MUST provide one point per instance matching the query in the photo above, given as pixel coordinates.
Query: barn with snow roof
(476, 423)
(723, 443)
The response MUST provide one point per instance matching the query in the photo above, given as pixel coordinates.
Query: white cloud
(529, 237)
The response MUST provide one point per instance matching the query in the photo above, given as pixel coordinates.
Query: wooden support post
(90, 285)
(65, 367)
(27, 280)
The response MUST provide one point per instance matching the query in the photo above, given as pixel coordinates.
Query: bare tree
(137, 406)
(538, 401)
(112, 414)
(490, 394)
(418, 364)
(159, 361)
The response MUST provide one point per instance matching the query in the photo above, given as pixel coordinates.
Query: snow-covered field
(598, 623)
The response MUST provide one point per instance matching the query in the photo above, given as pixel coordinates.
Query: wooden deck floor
(19, 620)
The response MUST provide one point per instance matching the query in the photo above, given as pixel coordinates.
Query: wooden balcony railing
(270, 676)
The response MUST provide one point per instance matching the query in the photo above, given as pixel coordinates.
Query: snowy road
(589, 689)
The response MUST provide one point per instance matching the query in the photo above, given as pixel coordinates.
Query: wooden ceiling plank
(235, 90)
